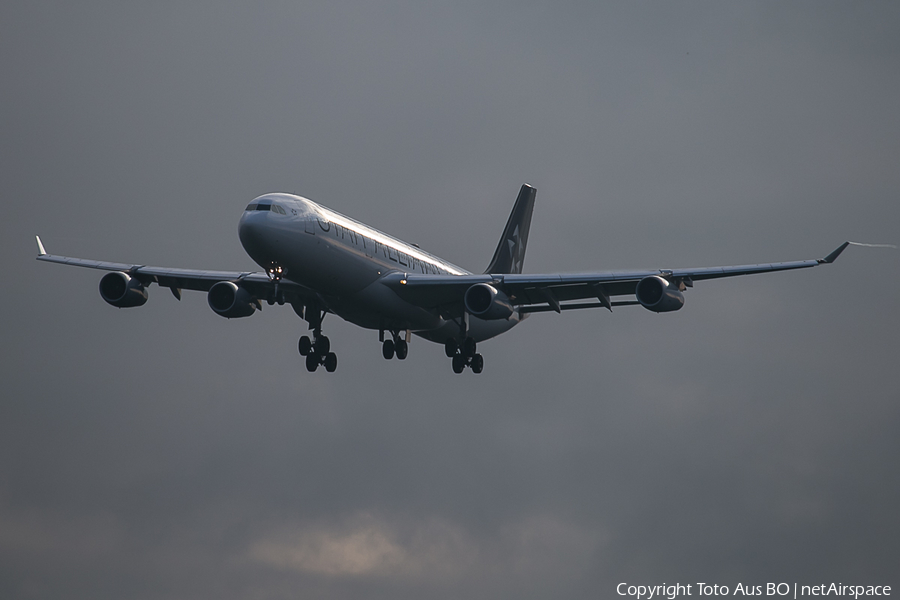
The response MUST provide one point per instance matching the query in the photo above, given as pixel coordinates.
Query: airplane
(320, 261)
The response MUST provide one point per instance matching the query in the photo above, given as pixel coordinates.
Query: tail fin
(510, 252)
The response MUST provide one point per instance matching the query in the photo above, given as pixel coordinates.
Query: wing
(538, 293)
(257, 283)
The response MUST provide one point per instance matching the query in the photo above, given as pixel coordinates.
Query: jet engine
(659, 295)
(121, 290)
(487, 302)
(231, 301)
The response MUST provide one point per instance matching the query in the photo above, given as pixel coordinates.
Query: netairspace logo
(676, 590)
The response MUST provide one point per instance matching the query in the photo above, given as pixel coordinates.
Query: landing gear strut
(318, 350)
(395, 346)
(464, 355)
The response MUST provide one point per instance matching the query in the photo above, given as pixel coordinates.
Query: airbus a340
(321, 262)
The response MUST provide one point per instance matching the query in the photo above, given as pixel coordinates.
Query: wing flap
(719, 272)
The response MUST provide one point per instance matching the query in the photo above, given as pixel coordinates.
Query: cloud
(367, 546)
(365, 549)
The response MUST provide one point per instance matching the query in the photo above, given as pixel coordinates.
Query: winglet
(41, 251)
(831, 257)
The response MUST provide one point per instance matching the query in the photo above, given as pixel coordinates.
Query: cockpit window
(266, 205)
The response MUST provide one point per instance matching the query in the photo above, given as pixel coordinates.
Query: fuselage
(344, 261)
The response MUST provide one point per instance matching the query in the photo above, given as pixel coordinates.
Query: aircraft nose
(250, 231)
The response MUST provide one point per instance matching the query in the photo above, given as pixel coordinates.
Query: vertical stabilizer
(510, 252)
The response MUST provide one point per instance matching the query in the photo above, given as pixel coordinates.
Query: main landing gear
(464, 355)
(396, 346)
(318, 350)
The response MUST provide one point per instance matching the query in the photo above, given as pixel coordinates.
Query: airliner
(319, 262)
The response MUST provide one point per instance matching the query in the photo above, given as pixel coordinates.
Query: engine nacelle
(230, 300)
(657, 294)
(487, 302)
(121, 290)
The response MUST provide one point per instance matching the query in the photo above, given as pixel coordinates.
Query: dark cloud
(165, 452)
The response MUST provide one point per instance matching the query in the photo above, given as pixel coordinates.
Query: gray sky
(165, 452)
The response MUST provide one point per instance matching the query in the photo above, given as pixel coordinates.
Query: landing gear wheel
(322, 345)
(401, 348)
(477, 363)
(468, 347)
(304, 345)
(459, 363)
(312, 362)
(450, 348)
(387, 349)
(330, 362)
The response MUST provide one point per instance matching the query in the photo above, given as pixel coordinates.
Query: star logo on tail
(515, 259)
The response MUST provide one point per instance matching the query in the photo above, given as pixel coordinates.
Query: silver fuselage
(345, 261)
